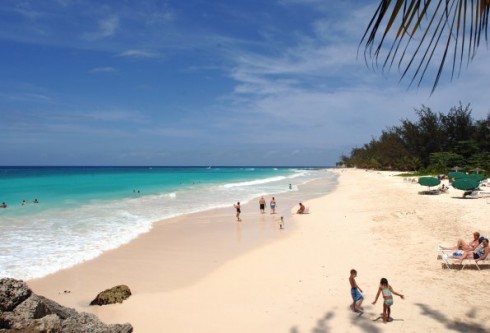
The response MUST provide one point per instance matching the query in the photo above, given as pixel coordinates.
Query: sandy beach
(205, 272)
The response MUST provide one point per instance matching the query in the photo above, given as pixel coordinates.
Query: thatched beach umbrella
(456, 168)
(477, 170)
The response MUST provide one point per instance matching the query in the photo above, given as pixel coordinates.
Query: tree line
(434, 143)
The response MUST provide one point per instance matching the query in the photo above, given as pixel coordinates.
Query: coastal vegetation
(434, 143)
(425, 32)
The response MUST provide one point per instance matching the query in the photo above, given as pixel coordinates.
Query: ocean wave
(254, 182)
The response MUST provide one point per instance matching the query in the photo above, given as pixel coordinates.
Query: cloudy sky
(195, 82)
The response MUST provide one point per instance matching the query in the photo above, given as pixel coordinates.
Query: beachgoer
(238, 211)
(273, 205)
(301, 209)
(290, 187)
(4, 205)
(443, 188)
(262, 205)
(36, 201)
(24, 203)
(465, 246)
(281, 223)
(479, 253)
(388, 292)
(355, 292)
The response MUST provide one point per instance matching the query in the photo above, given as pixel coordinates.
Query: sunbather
(466, 246)
(480, 253)
(443, 188)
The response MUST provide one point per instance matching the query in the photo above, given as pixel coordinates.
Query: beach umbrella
(456, 168)
(456, 175)
(429, 181)
(477, 170)
(466, 184)
(475, 176)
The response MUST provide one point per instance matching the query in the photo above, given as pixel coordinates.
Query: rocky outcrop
(114, 295)
(23, 311)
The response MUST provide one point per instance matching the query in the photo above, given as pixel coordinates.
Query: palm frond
(425, 31)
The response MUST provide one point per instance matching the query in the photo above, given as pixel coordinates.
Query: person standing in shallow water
(262, 205)
(238, 211)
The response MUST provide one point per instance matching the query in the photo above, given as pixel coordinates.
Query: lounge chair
(476, 194)
(449, 260)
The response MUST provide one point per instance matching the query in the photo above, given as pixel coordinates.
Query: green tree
(443, 161)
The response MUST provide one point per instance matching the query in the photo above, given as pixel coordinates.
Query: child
(281, 223)
(355, 292)
(388, 292)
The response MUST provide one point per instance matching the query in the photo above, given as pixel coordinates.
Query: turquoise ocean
(84, 211)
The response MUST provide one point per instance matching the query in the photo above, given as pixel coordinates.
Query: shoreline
(163, 242)
(372, 221)
(61, 238)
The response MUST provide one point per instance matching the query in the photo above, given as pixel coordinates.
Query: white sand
(201, 275)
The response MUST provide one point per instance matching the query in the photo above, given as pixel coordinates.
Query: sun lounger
(449, 260)
(476, 194)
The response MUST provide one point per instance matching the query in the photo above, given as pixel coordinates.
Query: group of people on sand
(384, 289)
(272, 205)
(262, 204)
(477, 248)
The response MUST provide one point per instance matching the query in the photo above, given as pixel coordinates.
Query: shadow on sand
(321, 325)
(360, 320)
(452, 324)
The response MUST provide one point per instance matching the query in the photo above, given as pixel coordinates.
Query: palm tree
(448, 29)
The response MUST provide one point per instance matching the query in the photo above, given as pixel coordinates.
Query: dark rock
(114, 295)
(12, 293)
(23, 311)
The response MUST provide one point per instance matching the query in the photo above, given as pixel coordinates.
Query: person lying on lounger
(466, 246)
(480, 253)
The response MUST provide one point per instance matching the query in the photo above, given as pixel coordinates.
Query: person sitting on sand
(443, 188)
(301, 209)
(465, 246)
(480, 253)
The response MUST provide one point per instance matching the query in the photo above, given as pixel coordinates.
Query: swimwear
(238, 210)
(388, 296)
(273, 205)
(262, 206)
(356, 295)
(479, 251)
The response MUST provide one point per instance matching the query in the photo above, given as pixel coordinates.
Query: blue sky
(275, 82)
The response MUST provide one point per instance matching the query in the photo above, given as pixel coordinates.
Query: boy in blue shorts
(355, 292)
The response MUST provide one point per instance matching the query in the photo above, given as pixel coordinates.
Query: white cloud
(139, 53)
(107, 28)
